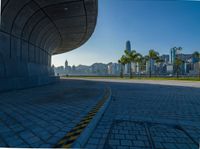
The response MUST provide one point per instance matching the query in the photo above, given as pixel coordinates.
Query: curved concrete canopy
(32, 31)
(54, 25)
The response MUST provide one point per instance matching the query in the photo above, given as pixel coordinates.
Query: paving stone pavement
(39, 117)
(149, 116)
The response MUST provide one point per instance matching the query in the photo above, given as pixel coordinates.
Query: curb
(84, 137)
(80, 134)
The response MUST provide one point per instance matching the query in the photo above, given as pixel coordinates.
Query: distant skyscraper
(128, 45)
(165, 58)
(173, 53)
(66, 64)
(67, 67)
(128, 66)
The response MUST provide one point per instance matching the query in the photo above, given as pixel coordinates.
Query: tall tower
(66, 64)
(128, 66)
(173, 53)
(128, 45)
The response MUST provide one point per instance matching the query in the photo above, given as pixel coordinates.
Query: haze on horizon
(148, 25)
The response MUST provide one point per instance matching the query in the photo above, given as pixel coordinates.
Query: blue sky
(147, 24)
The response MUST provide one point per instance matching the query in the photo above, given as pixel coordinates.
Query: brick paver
(140, 115)
(41, 116)
(149, 116)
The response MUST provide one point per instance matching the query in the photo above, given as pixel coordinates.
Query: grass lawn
(138, 78)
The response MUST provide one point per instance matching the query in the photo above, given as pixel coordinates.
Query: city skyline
(165, 65)
(162, 26)
(103, 62)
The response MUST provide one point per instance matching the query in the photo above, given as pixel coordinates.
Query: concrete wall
(32, 31)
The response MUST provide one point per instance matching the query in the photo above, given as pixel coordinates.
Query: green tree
(131, 58)
(140, 61)
(177, 66)
(196, 55)
(153, 55)
(122, 61)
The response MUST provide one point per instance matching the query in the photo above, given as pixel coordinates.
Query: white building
(196, 68)
(150, 65)
(113, 69)
(99, 69)
(170, 68)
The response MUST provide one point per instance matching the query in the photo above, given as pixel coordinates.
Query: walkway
(40, 117)
(141, 115)
(149, 116)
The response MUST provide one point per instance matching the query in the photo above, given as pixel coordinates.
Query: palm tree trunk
(121, 72)
(177, 73)
(138, 69)
(131, 74)
(150, 68)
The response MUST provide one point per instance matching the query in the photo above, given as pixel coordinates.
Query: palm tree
(177, 65)
(131, 57)
(196, 55)
(123, 61)
(153, 55)
(159, 61)
(139, 60)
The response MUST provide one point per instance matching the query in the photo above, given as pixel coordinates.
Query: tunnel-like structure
(33, 30)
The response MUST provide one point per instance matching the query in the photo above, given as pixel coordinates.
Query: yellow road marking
(70, 137)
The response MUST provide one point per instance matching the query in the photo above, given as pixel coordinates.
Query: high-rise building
(66, 64)
(67, 67)
(113, 68)
(165, 58)
(99, 69)
(173, 53)
(185, 57)
(128, 45)
(128, 66)
(150, 66)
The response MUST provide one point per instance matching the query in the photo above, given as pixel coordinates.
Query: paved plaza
(148, 115)
(40, 117)
(141, 115)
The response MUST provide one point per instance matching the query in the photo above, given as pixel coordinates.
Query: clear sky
(148, 25)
